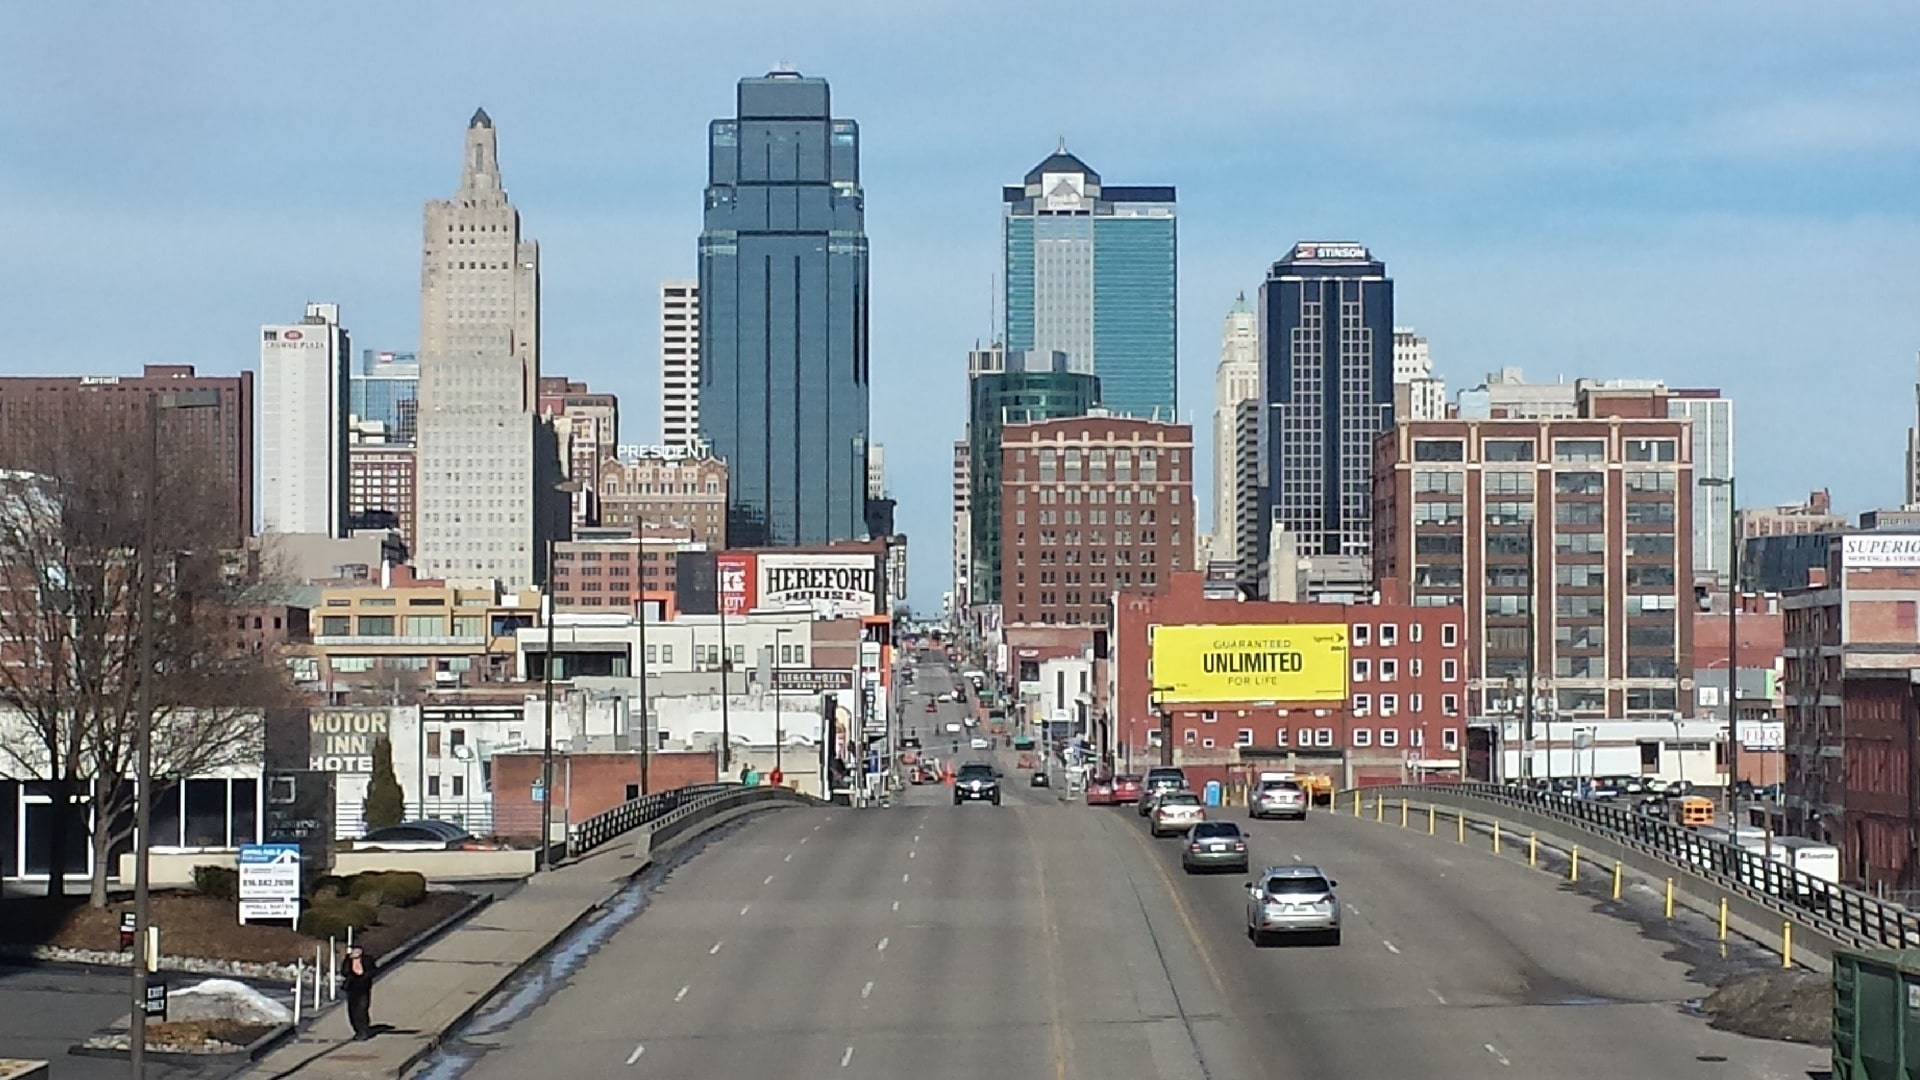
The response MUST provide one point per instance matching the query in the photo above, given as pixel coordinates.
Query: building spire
(480, 119)
(1063, 145)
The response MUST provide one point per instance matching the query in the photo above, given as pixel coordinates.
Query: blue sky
(1720, 192)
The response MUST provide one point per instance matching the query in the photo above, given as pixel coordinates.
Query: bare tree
(72, 518)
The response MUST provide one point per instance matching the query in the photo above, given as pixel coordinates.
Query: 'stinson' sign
(835, 586)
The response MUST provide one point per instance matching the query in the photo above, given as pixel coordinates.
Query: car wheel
(996, 800)
(956, 802)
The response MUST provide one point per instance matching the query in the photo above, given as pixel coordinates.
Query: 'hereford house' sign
(834, 586)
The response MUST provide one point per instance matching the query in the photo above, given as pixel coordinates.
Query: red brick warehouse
(1398, 711)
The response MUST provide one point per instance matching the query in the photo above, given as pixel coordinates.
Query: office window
(1362, 704)
(1389, 704)
(1280, 737)
(1450, 738)
(336, 626)
(1439, 450)
(1389, 635)
(1389, 737)
(376, 626)
(1244, 737)
(1449, 671)
(1360, 633)
(1323, 737)
(1362, 737)
(1362, 669)
(1389, 670)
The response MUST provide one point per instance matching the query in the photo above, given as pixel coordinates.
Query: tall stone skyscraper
(1237, 379)
(783, 315)
(485, 502)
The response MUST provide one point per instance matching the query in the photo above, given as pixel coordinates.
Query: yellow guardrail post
(1356, 802)
(1616, 879)
(1460, 818)
(1669, 898)
(1786, 944)
(1723, 918)
(1380, 808)
(1403, 813)
(1533, 849)
(1573, 864)
(1432, 816)
(1496, 837)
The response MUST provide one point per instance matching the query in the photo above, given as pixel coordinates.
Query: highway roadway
(1049, 940)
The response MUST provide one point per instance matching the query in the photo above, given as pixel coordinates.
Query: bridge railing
(1844, 914)
(667, 812)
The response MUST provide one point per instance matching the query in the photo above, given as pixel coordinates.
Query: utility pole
(646, 733)
(546, 745)
(1533, 593)
(726, 665)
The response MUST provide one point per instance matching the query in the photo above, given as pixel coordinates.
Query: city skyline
(1719, 182)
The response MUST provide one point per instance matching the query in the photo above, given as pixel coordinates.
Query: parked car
(1039, 779)
(422, 835)
(1099, 793)
(1158, 781)
(1176, 812)
(1126, 789)
(1214, 845)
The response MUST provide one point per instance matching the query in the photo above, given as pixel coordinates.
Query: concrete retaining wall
(175, 871)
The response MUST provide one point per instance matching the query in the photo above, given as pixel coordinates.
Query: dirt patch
(201, 927)
(204, 1036)
(1792, 1006)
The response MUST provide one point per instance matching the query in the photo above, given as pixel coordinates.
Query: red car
(1126, 789)
(1100, 793)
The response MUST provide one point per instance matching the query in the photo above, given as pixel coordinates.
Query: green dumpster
(1876, 1015)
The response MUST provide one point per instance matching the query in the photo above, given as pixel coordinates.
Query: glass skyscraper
(1091, 271)
(1326, 340)
(387, 389)
(783, 328)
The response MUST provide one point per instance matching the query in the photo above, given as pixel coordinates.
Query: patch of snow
(242, 1002)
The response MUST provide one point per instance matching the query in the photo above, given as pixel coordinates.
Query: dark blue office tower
(783, 328)
(1326, 380)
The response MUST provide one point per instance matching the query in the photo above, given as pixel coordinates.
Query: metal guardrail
(630, 815)
(1841, 912)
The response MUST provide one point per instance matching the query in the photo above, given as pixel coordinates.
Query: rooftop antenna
(1063, 145)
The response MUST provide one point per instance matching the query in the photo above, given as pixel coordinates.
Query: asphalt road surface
(44, 1010)
(1050, 940)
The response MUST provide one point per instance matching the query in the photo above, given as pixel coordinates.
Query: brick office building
(662, 487)
(1852, 709)
(1587, 518)
(1088, 505)
(218, 440)
(380, 488)
(1402, 715)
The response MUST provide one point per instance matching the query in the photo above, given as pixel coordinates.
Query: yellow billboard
(1259, 662)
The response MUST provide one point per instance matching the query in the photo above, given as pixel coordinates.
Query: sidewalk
(417, 1001)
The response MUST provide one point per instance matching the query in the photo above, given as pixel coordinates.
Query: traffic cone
(946, 774)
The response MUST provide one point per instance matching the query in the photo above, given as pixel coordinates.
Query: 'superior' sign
(1860, 552)
(1262, 662)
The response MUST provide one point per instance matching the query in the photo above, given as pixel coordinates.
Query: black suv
(977, 781)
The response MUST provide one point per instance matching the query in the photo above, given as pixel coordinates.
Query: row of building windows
(1389, 669)
(1564, 450)
(1358, 738)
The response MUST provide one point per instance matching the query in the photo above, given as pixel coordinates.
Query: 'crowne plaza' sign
(834, 586)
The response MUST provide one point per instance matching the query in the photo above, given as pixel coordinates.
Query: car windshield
(1298, 886)
(976, 772)
(1168, 776)
(1216, 829)
(1279, 785)
(1180, 798)
(1126, 780)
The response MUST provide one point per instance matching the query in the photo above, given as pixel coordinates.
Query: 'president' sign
(833, 586)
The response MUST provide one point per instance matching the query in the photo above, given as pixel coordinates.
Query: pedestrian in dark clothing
(357, 971)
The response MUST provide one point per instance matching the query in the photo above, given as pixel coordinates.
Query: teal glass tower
(783, 322)
(1092, 272)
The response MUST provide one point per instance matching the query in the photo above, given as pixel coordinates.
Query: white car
(979, 743)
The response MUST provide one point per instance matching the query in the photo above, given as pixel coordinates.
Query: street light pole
(546, 743)
(646, 734)
(726, 664)
(143, 718)
(1533, 592)
(779, 735)
(1733, 641)
(1166, 723)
